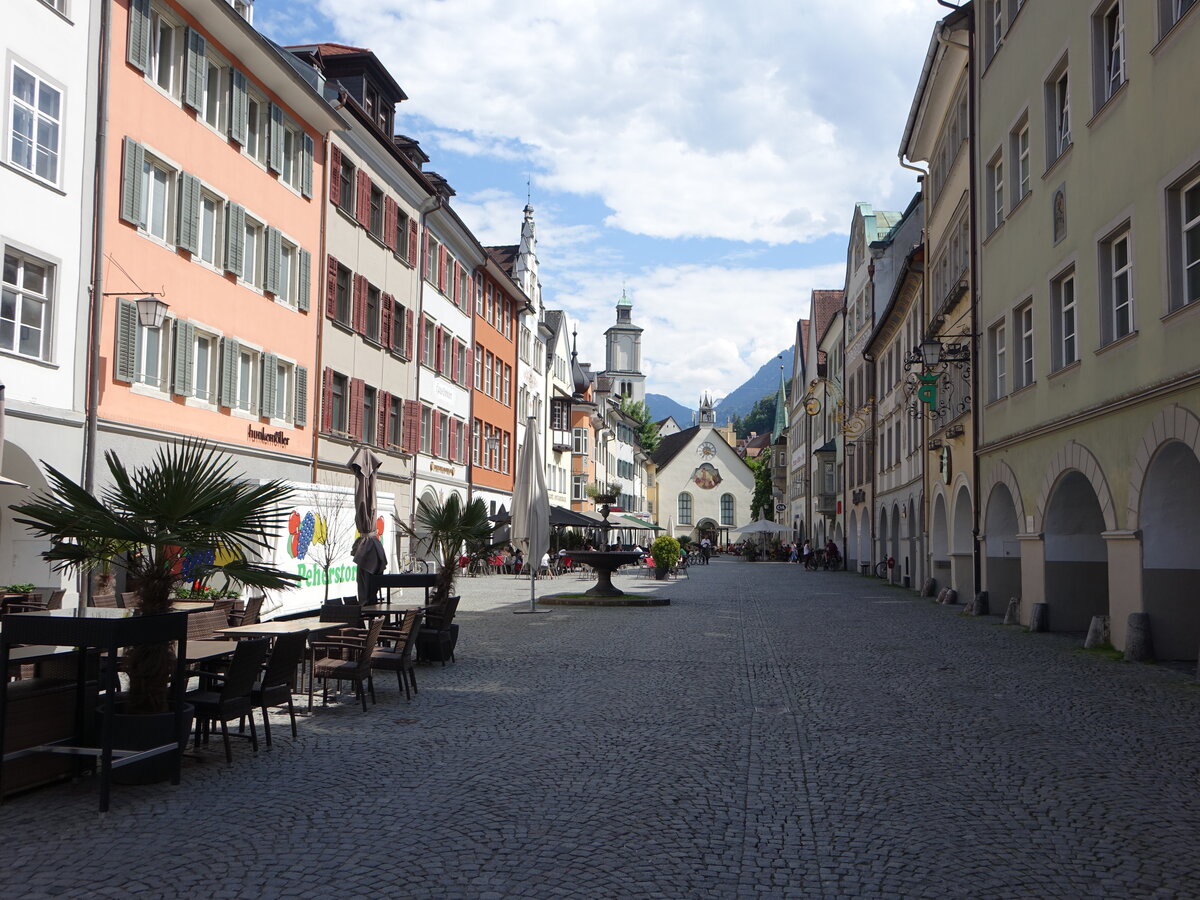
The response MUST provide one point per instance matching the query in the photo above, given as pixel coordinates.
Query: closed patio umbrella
(368, 552)
(531, 507)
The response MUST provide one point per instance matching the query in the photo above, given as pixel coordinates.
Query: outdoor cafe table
(276, 627)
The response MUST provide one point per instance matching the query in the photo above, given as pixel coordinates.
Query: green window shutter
(275, 157)
(230, 350)
(269, 383)
(239, 113)
(274, 253)
(235, 238)
(304, 284)
(189, 213)
(300, 407)
(197, 70)
(125, 368)
(306, 168)
(185, 358)
(137, 49)
(131, 181)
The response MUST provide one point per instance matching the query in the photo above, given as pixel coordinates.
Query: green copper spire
(781, 419)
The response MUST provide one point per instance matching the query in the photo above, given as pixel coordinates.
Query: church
(703, 487)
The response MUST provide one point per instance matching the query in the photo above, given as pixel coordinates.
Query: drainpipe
(972, 132)
(431, 204)
(318, 379)
(96, 289)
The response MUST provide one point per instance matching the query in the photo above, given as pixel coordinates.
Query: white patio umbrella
(763, 526)
(3, 480)
(531, 508)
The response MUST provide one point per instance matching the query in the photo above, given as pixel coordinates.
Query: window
(487, 374)
(395, 435)
(252, 254)
(507, 385)
(579, 441)
(245, 380)
(1116, 287)
(428, 344)
(399, 328)
(1019, 153)
(211, 224)
(498, 379)
(432, 254)
(994, 36)
(163, 64)
(560, 411)
(1183, 248)
(25, 305)
(374, 300)
(447, 350)
(1058, 114)
(257, 116)
(339, 396)
(1170, 12)
(479, 367)
(370, 415)
(1063, 326)
(426, 429)
(342, 297)
(346, 185)
(285, 288)
(402, 234)
(727, 508)
(504, 453)
(1108, 36)
(460, 370)
(215, 92)
(280, 408)
(156, 211)
(1023, 323)
(998, 351)
(150, 358)
(578, 487)
(685, 508)
(35, 120)
(476, 438)
(995, 192)
(443, 436)
(376, 219)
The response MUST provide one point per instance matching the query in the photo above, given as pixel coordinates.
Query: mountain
(661, 406)
(741, 400)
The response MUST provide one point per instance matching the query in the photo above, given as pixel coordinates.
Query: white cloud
(761, 121)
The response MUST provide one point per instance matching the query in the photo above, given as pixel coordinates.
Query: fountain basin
(605, 562)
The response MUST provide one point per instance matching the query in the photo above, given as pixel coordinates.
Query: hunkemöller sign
(268, 437)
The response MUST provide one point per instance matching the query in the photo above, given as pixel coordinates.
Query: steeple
(708, 415)
(525, 271)
(623, 356)
(781, 418)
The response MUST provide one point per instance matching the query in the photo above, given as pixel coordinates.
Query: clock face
(707, 450)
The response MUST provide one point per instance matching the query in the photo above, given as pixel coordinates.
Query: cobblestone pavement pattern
(772, 733)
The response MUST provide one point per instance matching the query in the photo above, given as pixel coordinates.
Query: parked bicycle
(413, 565)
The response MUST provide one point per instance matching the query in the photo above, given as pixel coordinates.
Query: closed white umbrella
(368, 550)
(531, 507)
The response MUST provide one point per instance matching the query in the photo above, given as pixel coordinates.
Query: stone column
(1033, 572)
(1124, 581)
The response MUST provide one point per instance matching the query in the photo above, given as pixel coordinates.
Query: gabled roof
(669, 446)
(505, 257)
(825, 305)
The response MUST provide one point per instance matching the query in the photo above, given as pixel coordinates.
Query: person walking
(807, 553)
(705, 550)
(793, 556)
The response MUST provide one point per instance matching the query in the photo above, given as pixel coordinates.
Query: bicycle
(413, 565)
(881, 569)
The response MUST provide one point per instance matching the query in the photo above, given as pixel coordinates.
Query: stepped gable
(669, 447)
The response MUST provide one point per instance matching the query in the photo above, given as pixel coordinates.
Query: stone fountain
(605, 562)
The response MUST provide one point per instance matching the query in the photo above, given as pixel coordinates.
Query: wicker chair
(398, 658)
(250, 615)
(232, 701)
(205, 625)
(105, 601)
(275, 688)
(348, 658)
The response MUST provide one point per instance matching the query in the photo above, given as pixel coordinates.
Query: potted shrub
(448, 526)
(604, 491)
(665, 551)
(187, 500)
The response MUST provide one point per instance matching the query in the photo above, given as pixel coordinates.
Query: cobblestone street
(772, 733)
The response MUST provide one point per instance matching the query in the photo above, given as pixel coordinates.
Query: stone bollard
(951, 597)
(941, 597)
(929, 588)
(1012, 615)
(1138, 646)
(979, 606)
(1039, 617)
(1098, 633)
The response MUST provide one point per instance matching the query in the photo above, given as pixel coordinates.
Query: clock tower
(623, 354)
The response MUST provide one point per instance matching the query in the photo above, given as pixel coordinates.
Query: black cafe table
(388, 582)
(107, 630)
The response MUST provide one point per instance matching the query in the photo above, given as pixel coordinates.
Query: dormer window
(244, 8)
(377, 108)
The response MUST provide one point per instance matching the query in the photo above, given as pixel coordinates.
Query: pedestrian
(792, 555)
(807, 553)
(518, 561)
(705, 550)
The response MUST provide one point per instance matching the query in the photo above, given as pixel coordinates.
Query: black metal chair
(232, 700)
(275, 688)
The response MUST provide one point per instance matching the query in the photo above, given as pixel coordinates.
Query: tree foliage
(762, 504)
(760, 419)
(647, 431)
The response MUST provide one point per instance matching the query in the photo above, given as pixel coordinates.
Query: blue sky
(706, 156)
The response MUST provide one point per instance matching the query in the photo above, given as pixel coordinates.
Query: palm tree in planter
(449, 526)
(187, 500)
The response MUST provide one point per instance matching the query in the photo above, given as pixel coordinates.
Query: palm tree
(449, 526)
(187, 500)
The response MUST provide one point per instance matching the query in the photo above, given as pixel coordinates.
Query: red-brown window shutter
(335, 173)
(454, 361)
(363, 204)
(359, 315)
(327, 400)
(454, 282)
(389, 222)
(385, 319)
(331, 270)
(384, 401)
(437, 349)
(408, 333)
(422, 349)
(470, 367)
(356, 408)
(469, 300)
(435, 427)
(410, 430)
(413, 240)
(441, 270)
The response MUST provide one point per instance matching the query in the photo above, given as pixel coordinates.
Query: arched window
(727, 509)
(685, 508)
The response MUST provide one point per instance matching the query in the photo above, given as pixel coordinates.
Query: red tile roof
(825, 305)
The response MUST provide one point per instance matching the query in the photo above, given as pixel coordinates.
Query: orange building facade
(213, 187)
(494, 388)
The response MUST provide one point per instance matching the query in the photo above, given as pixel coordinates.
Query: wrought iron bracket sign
(939, 379)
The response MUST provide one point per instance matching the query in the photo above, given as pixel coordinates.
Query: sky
(705, 157)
